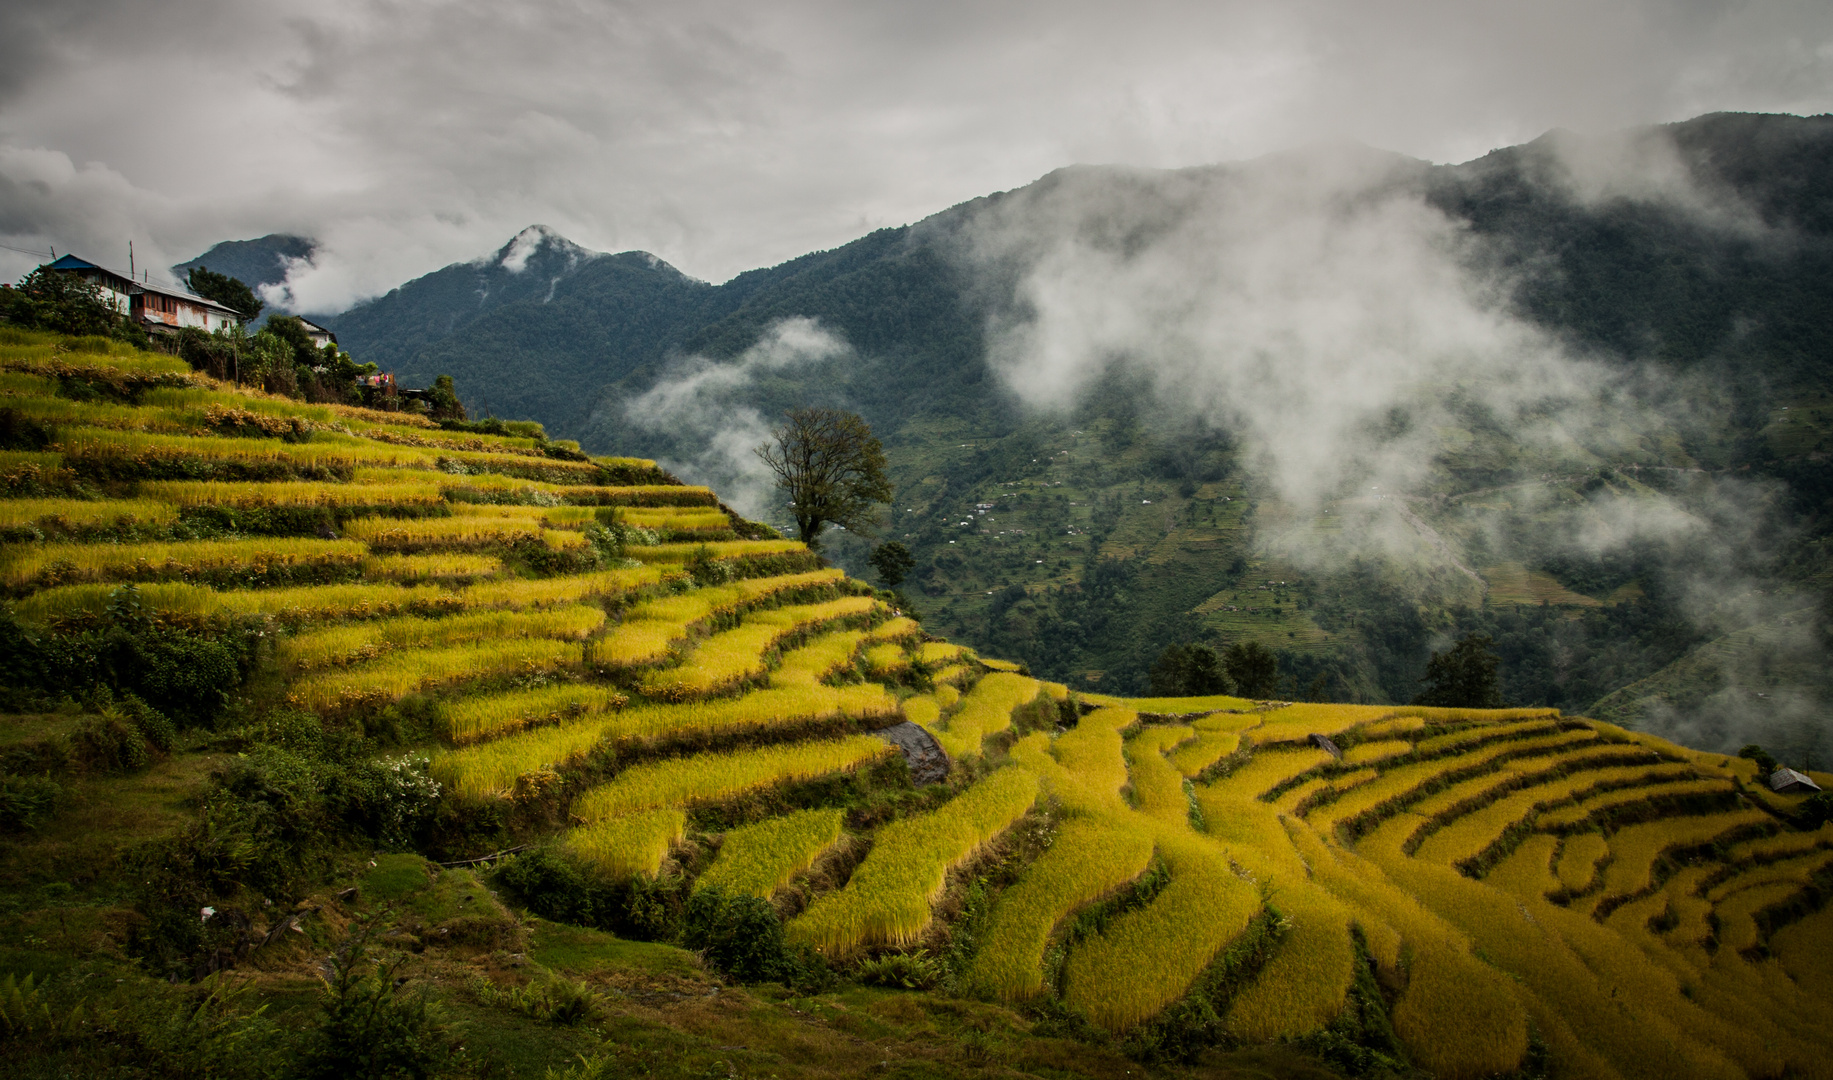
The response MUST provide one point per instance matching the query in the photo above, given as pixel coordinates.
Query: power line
(25, 251)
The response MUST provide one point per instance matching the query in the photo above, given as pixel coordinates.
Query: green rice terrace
(346, 743)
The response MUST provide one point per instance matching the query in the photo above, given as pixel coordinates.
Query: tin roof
(1785, 778)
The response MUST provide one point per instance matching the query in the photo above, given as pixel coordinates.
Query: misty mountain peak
(541, 240)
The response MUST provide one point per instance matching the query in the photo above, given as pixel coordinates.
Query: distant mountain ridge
(1739, 301)
(258, 262)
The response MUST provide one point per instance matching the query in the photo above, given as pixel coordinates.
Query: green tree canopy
(893, 562)
(47, 299)
(833, 469)
(443, 399)
(225, 290)
(1463, 676)
(1253, 667)
(1190, 671)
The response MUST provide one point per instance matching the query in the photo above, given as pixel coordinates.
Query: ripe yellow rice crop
(23, 563)
(1636, 847)
(1737, 913)
(735, 655)
(1663, 784)
(1470, 834)
(538, 592)
(716, 776)
(1320, 788)
(564, 539)
(359, 641)
(1093, 766)
(1157, 787)
(1578, 860)
(1268, 769)
(1780, 846)
(814, 662)
(933, 653)
(335, 601)
(1439, 744)
(324, 449)
(455, 440)
(1527, 872)
(1370, 752)
(674, 518)
(1303, 986)
(1400, 781)
(986, 710)
(1799, 871)
(1803, 947)
(406, 671)
(924, 710)
(515, 464)
(717, 549)
(946, 696)
(166, 597)
(20, 384)
(888, 897)
(553, 515)
(1001, 665)
(902, 628)
(625, 846)
(16, 513)
(413, 491)
(62, 412)
(756, 860)
(441, 565)
(652, 627)
(1392, 726)
(1292, 722)
(112, 357)
(452, 532)
(13, 461)
(953, 674)
(492, 768)
(641, 495)
(1087, 860)
(1458, 1014)
(886, 659)
(1148, 958)
(1181, 706)
(475, 718)
(1203, 751)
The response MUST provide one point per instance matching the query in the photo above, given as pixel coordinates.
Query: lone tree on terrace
(1463, 676)
(833, 469)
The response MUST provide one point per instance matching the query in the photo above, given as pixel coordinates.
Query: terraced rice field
(703, 710)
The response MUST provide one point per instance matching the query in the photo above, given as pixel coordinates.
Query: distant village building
(319, 335)
(1786, 781)
(117, 289)
(156, 308)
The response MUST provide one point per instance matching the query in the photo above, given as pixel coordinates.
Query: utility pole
(130, 260)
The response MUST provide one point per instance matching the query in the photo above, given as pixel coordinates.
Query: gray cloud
(1351, 335)
(705, 406)
(723, 136)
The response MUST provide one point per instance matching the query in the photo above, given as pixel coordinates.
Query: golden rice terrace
(590, 666)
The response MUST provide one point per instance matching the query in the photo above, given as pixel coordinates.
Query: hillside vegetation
(358, 745)
(1121, 525)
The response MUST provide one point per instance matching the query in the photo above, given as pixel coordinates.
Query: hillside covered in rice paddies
(339, 736)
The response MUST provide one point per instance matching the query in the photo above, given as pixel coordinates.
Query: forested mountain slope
(1681, 278)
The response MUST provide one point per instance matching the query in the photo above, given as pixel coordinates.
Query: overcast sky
(723, 135)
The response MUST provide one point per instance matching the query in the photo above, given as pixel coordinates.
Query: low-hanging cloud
(1320, 308)
(707, 407)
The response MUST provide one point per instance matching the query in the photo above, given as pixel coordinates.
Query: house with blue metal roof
(158, 309)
